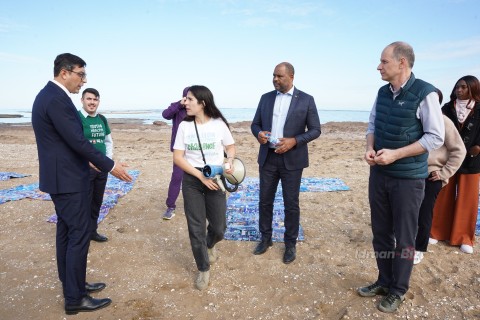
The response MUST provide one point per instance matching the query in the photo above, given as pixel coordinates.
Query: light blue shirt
(280, 111)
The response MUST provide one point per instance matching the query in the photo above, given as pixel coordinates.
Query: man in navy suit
(285, 121)
(64, 155)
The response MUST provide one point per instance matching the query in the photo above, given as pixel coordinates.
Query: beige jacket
(449, 157)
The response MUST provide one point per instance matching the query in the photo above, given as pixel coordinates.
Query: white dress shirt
(280, 111)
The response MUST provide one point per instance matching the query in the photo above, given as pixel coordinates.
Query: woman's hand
(434, 176)
(183, 101)
(210, 183)
(228, 166)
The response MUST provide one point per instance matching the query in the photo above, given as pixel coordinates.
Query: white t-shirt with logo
(214, 136)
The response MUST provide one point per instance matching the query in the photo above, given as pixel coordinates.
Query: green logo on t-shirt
(95, 130)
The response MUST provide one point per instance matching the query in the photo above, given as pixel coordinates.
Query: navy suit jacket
(63, 151)
(302, 123)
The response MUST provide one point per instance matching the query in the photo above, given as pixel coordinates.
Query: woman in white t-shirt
(202, 197)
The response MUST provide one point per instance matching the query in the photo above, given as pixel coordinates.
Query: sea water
(231, 114)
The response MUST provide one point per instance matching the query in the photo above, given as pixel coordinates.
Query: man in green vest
(405, 124)
(97, 131)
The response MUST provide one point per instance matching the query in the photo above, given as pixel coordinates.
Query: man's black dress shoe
(262, 246)
(289, 255)
(94, 287)
(99, 237)
(87, 304)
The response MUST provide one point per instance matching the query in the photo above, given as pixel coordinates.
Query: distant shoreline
(232, 115)
(329, 126)
(10, 115)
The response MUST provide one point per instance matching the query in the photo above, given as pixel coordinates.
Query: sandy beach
(148, 264)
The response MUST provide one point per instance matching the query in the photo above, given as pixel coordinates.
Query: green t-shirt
(95, 130)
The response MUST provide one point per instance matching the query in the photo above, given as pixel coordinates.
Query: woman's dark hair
(473, 88)
(205, 96)
(440, 95)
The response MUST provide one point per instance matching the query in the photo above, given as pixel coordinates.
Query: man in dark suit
(64, 154)
(285, 121)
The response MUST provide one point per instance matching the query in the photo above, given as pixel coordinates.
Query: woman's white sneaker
(418, 257)
(466, 248)
(432, 241)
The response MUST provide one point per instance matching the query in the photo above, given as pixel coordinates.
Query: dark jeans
(271, 173)
(174, 187)
(432, 189)
(72, 242)
(201, 205)
(98, 181)
(394, 205)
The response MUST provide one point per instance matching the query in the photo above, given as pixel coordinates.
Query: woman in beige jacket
(442, 164)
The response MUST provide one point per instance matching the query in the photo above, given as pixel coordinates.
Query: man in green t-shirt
(97, 131)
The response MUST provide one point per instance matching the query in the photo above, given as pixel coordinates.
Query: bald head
(288, 66)
(402, 49)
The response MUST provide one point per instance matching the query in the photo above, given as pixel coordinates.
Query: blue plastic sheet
(8, 175)
(242, 208)
(114, 190)
(22, 192)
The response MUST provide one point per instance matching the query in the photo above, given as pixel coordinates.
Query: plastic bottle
(272, 140)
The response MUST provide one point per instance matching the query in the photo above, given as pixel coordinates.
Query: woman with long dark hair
(456, 208)
(203, 138)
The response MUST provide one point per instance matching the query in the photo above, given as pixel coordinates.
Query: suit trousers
(174, 187)
(456, 210)
(394, 205)
(271, 173)
(72, 241)
(432, 188)
(201, 205)
(98, 181)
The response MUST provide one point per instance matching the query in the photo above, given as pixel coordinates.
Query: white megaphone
(217, 172)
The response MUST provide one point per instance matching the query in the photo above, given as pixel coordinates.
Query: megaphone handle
(219, 182)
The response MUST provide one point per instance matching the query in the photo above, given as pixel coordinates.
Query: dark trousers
(432, 188)
(394, 205)
(201, 205)
(72, 241)
(271, 173)
(98, 181)
(174, 187)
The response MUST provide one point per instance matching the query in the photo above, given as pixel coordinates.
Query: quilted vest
(396, 126)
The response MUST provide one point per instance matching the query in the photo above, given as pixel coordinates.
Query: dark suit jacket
(302, 123)
(63, 151)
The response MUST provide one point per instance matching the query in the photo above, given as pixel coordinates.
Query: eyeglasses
(82, 75)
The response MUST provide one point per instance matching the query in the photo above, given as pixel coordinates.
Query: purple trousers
(174, 187)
